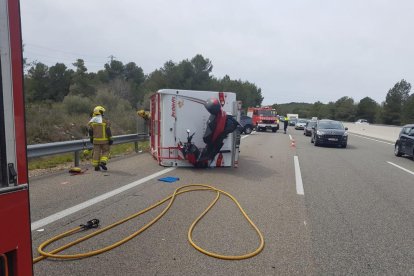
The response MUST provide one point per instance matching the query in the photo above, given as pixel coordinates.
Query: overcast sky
(295, 51)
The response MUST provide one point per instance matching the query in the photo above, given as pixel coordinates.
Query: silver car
(301, 123)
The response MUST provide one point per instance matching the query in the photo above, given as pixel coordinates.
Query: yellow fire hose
(171, 198)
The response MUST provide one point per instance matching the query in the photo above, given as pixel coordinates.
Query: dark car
(329, 132)
(308, 128)
(247, 124)
(405, 142)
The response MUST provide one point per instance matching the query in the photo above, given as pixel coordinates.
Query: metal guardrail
(76, 146)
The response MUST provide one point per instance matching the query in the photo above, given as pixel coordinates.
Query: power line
(56, 58)
(64, 52)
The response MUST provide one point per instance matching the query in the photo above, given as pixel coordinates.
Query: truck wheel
(274, 129)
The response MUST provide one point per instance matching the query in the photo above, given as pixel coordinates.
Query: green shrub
(74, 104)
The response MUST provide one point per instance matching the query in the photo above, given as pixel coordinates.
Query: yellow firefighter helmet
(144, 114)
(98, 110)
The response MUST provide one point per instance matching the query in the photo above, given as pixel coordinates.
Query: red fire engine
(15, 237)
(264, 118)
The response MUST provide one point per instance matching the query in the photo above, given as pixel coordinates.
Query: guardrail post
(77, 158)
(136, 146)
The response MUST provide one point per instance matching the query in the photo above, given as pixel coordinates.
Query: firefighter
(285, 123)
(144, 114)
(101, 137)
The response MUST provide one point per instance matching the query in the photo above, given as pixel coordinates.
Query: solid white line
(372, 139)
(404, 169)
(40, 223)
(298, 175)
(244, 136)
(290, 137)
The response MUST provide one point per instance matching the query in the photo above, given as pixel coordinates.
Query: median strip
(404, 169)
(360, 136)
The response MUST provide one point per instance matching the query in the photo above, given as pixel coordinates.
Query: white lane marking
(298, 176)
(404, 169)
(372, 139)
(290, 137)
(244, 136)
(52, 218)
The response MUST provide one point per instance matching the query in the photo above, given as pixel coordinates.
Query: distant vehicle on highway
(405, 141)
(247, 124)
(301, 123)
(293, 121)
(329, 132)
(308, 128)
(362, 121)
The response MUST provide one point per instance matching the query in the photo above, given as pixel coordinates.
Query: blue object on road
(169, 179)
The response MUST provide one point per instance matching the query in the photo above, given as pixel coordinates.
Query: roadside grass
(48, 162)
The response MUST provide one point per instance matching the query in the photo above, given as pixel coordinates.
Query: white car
(362, 121)
(301, 123)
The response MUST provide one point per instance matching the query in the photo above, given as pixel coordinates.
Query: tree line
(397, 109)
(128, 81)
(59, 99)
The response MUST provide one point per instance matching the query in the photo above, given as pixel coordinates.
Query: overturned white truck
(195, 128)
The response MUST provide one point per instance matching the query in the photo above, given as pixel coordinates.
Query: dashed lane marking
(298, 176)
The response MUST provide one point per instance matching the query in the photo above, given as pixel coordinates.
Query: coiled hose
(171, 198)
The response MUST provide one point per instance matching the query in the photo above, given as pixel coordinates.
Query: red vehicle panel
(15, 234)
(264, 118)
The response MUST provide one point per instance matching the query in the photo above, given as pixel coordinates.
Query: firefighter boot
(103, 166)
(97, 168)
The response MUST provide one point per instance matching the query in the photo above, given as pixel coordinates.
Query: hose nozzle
(93, 223)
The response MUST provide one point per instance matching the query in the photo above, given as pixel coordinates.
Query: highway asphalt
(356, 215)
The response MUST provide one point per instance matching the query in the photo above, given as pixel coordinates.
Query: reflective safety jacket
(100, 131)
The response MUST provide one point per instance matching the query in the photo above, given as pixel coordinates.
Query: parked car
(329, 132)
(301, 123)
(247, 124)
(362, 121)
(405, 141)
(308, 128)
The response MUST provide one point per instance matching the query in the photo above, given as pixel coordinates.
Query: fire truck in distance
(264, 118)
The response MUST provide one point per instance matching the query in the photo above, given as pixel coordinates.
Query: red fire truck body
(264, 118)
(15, 238)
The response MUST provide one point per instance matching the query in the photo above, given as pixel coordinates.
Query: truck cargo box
(173, 112)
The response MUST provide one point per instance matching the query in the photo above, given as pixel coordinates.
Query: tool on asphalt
(94, 224)
(169, 179)
(76, 170)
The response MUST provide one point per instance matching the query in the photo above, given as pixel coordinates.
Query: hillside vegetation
(59, 100)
